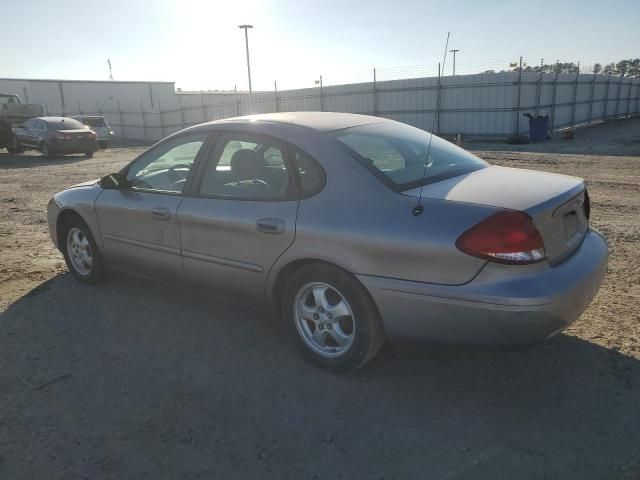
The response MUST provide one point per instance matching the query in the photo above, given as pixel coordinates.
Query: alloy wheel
(79, 251)
(324, 319)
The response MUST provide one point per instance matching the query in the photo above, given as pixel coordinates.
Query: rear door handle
(161, 213)
(271, 225)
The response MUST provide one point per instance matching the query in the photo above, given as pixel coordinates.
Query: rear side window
(247, 167)
(312, 176)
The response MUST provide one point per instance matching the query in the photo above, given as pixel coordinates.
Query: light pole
(454, 59)
(246, 41)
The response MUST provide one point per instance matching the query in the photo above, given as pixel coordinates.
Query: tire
(518, 140)
(89, 154)
(344, 341)
(103, 144)
(13, 146)
(74, 249)
(44, 148)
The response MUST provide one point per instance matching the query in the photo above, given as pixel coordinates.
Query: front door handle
(271, 225)
(161, 213)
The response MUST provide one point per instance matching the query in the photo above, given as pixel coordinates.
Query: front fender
(79, 200)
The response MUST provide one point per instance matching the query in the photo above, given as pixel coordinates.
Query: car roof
(86, 116)
(320, 122)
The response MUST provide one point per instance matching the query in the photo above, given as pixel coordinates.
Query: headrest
(246, 165)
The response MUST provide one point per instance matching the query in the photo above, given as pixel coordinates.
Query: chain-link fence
(486, 98)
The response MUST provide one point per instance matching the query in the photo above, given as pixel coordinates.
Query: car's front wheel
(80, 251)
(332, 317)
(14, 146)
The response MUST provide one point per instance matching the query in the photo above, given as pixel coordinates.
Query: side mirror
(113, 181)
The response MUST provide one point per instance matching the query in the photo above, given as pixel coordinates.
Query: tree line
(626, 68)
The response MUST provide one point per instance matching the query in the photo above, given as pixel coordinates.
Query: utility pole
(454, 51)
(110, 74)
(246, 41)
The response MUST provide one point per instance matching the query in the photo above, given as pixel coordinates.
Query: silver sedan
(352, 228)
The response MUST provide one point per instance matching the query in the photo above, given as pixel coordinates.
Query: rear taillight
(62, 136)
(505, 237)
(587, 205)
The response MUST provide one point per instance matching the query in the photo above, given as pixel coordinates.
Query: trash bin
(538, 127)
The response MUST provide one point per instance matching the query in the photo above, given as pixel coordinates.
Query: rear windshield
(4, 99)
(397, 153)
(94, 122)
(66, 124)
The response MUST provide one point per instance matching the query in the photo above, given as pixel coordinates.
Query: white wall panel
(482, 104)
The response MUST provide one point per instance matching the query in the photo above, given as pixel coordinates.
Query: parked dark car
(55, 136)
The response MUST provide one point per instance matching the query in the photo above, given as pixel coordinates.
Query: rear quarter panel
(361, 225)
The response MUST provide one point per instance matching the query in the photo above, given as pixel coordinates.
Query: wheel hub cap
(79, 251)
(324, 319)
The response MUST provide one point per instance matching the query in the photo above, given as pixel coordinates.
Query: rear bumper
(73, 147)
(502, 306)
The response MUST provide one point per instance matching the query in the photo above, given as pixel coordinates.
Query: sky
(197, 44)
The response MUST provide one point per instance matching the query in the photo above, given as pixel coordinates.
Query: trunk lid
(75, 137)
(554, 202)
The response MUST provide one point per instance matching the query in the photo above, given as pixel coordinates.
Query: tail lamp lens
(587, 205)
(505, 237)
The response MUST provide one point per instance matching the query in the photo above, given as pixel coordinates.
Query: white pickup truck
(12, 113)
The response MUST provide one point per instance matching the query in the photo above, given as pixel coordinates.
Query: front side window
(166, 167)
(94, 121)
(243, 167)
(401, 155)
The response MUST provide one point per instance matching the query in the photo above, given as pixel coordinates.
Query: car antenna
(418, 209)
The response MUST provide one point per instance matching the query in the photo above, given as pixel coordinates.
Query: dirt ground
(136, 380)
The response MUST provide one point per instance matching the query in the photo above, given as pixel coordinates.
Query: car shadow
(140, 380)
(35, 159)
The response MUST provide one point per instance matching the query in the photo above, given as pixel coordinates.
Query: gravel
(133, 379)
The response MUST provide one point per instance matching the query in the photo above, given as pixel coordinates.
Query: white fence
(474, 105)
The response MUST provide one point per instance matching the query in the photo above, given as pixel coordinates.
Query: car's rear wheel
(80, 251)
(46, 153)
(89, 154)
(332, 318)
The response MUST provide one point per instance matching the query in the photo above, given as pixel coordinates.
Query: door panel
(138, 223)
(240, 218)
(138, 238)
(224, 248)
